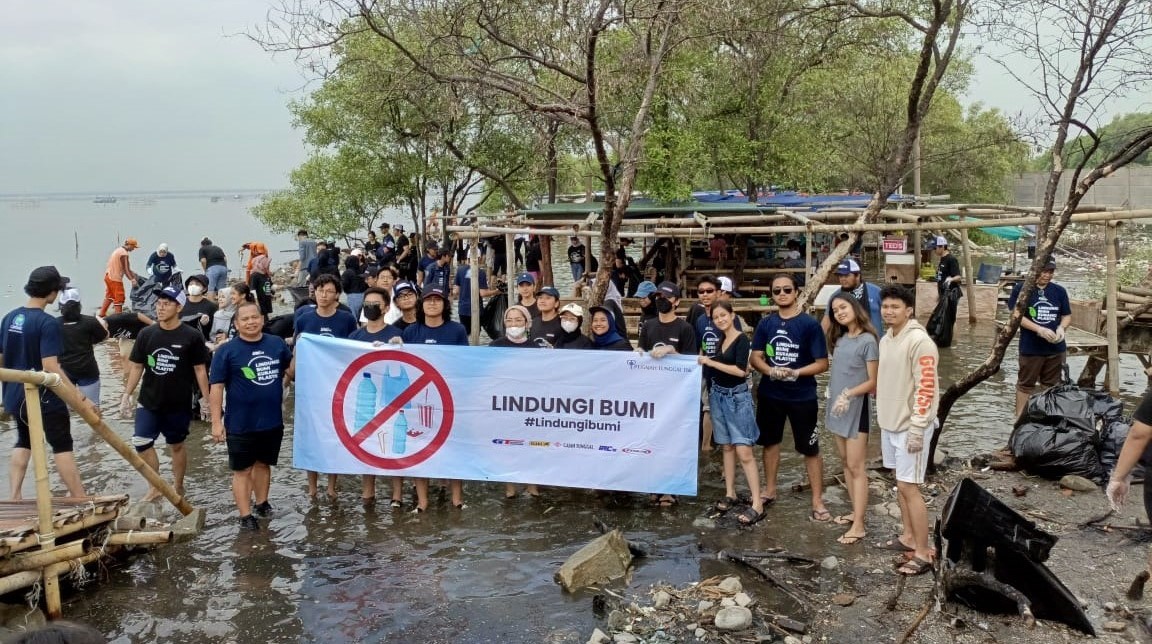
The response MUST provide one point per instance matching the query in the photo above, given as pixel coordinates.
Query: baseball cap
(203, 279)
(645, 288)
(399, 228)
(174, 294)
(550, 290)
(435, 291)
(574, 309)
(131, 241)
(69, 295)
(1049, 265)
(725, 285)
(48, 276)
(939, 242)
(525, 277)
(400, 287)
(383, 226)
(847, 267)
(356, 252)
(668, 289)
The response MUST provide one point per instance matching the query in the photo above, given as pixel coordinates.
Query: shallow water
(334, 571)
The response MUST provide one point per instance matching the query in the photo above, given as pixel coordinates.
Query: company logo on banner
(595, 419)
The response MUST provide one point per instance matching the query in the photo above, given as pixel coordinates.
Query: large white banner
(610, 420)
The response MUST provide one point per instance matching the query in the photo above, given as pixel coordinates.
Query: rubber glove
(125, 406)
(840, 407)
(1117, 492)
(205, 410)
(915, 443)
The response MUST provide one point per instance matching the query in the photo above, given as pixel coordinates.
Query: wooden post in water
(43, 494)
(1110, 303)
(72, 396)
(474, 265)
(969, 276)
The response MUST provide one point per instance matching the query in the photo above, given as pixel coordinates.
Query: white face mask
(569, 326)
(195, 289)
(515, 332)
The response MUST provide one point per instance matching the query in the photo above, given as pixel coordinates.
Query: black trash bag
(283, 326)
(143, 297)
(1056, 435)
(1104, 406)
(492, 316)
(1112, 437)
(943, 318)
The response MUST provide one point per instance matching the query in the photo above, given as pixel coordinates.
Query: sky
(138, 95)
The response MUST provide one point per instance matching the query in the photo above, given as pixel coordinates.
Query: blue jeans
(217, 278)
(733, 419)
(355, 302)
(577, 272)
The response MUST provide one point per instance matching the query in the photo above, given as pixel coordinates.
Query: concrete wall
(1130, 187)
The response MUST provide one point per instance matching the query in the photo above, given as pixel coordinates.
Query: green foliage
(1113, 137)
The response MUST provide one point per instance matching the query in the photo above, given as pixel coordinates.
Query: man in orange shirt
(118, 268)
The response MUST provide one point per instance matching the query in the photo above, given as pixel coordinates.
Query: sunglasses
(706, 291)
(786, 290)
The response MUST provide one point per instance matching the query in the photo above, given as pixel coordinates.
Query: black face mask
(663, 305)
(372, 312)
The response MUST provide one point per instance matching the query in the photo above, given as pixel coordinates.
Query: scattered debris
(605, 559)
(843, 599)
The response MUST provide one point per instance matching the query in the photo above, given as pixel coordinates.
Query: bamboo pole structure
(45, 557)
(129, 523)
(474, 279)
(47, 533)
(71, 396)
(510, 258)
(1113, 379)
(133, 538)
(969, 276)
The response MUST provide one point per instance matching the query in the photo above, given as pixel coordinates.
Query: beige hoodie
(908, 387)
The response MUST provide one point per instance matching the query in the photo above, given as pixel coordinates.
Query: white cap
(356, 252)
(574, 309)
(726, 284)
(941, 242)
(163, 247)
(68, 295)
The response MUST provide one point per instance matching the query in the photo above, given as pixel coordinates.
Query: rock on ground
(733, 618)
(606, 558)
(598, 637)
(742, 599)
(1078, 484)
(731, 585)
(661, 599)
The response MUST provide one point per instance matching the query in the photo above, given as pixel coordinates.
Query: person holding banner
(375, 330)
(733, 421)
(517, 321)
(547, 326)
(329, 320)
(604, 333)
(404, 300)
(789, 348)
(251, 370)
(435, 327)
(665, 335)
(571, 319)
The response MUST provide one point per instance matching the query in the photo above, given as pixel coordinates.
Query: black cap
(48, 276)
(203, 279)
(668, 289)
(1049, 265)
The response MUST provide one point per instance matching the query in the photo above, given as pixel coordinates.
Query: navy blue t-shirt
(437, 275)
(1046, 306)
(27, 336)
(253, 377)
(340, 324)
(794, 343)
(464, 281)
(451, 332)
(383, 335)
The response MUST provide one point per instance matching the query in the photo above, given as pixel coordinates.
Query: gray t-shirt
(307, 252)
(849, 368)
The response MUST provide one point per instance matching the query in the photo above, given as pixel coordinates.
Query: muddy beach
(336, 571)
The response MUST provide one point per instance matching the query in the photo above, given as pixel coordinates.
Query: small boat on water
(214, 199)
(104, 200)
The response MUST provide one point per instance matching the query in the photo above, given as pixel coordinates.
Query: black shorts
(865, 417)
(802, 415)
(57, 429)
(249, 448)
(150, 425)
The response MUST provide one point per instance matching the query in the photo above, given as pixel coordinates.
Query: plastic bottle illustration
(399, 434)
(365, 401)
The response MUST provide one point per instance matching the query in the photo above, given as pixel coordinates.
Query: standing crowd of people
(221, 361)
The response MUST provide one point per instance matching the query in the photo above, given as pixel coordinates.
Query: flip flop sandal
(725, 504)
(396, 503)
(820, 516)
(750, 517)
(914, 567)
(851, 539)
(894, 544)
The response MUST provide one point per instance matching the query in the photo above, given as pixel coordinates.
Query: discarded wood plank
(769, 577)
(916, 622)
(895, 598)
(778, 554)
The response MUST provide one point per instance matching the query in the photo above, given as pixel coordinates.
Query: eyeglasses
(326, 291)
(787, 290)
(706, 291)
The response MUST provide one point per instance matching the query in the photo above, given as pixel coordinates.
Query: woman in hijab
(517, 322)
(604, 333)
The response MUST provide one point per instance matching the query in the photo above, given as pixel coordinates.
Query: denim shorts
(733, 419)
(217, 277)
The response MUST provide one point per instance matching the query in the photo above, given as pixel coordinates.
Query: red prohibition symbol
(354, 441)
